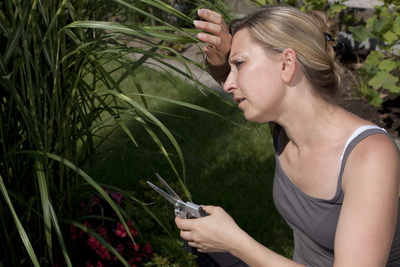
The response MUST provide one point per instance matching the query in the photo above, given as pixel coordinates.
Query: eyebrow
(231, 58)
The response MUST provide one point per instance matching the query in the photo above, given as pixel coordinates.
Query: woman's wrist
(219, 73)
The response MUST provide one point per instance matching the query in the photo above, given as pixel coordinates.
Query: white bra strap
(356, 133)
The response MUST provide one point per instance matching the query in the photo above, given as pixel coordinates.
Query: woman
(337, 176)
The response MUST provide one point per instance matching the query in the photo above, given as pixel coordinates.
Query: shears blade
(168, 188)
(164, 194)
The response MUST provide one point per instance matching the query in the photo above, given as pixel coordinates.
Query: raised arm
(216, 35)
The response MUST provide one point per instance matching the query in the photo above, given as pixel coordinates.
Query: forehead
(244, 44)
(241, 38)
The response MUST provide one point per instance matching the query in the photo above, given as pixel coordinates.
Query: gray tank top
(314, 220)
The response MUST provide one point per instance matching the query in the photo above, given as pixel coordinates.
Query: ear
(289, 58)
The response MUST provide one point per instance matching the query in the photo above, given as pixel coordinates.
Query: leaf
(45, 201)
(378, 80)
(383, 79)
(336, 8)
(379, 24)
(147, 32)
(387, 64)
(394, 89)
(390, 37)
(20, 228)
(375, 100)
(390, 81)
(360, 33)
(374, 58)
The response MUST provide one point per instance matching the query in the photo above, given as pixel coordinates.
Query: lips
(238, 100)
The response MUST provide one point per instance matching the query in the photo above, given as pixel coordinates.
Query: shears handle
(202, 212)
(190, 210)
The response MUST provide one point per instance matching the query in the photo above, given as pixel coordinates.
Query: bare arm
(368, 217)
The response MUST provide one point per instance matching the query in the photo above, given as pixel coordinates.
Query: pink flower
(117, 197)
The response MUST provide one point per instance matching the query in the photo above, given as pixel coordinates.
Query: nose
(230, 84)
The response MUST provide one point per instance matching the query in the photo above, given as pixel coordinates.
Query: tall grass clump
(59, 102)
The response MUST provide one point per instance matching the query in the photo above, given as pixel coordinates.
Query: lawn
(229, 162)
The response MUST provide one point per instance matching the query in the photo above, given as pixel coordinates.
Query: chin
(255, 119)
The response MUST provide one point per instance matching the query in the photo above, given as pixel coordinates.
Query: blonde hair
(279, 27)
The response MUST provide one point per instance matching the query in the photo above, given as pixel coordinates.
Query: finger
(210, 39)
(186, 235)
(194, 244)
(217, 29)
(215, 44)
(211, 16)
(184, 224)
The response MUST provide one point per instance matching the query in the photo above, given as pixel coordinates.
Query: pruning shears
(184, 210)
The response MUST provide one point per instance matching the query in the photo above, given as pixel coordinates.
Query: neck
(310, 122)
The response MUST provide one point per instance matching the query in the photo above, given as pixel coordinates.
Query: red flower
(73, 232)
(93, 242)
(95, 201)
(103, 253)
(120, 231)
(120, 249)
(102, 231)
(148, 249)
(132, 263)
(138, 259)
(133, 231)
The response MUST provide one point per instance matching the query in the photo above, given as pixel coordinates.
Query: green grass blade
(132, 30)
(20, 228)
(45, 201)
(167, 8)
(59, 235)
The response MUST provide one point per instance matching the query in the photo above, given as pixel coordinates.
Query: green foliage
(382, 67)
(332, 9)
(60, 102)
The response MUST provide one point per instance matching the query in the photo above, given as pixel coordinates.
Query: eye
(238, 64)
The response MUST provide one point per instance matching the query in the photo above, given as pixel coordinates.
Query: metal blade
(169, 189)
(165, 195)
